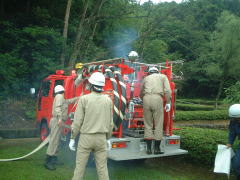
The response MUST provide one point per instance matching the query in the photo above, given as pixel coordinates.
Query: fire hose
(116, 97)
(123, 93)
(115, 91)
(29, 154)
(118, 115)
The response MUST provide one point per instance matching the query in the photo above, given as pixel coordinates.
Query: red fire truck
(123, 81)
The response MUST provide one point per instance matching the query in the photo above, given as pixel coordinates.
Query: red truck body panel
(45, 99)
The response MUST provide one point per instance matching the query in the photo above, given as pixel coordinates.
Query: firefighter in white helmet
(59, 116)
(154, 87)
(93, 119)
(133, 56)
(234, 131)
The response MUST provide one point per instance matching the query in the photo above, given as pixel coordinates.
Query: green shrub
(30, 114)
(17, 113)
(232, 93)
(201, 143)
(29, 107)
(201, 115)
(193, 107)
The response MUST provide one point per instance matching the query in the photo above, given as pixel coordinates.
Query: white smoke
(122, 41)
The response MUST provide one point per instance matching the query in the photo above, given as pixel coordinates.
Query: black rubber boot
(49, 163)
(149, 146)
(55, 161)
(157, 149)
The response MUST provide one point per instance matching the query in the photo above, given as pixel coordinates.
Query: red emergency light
(59, 72)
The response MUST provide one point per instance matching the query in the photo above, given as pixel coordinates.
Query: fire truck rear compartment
(135, 148)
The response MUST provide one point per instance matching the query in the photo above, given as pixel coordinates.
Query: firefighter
(154, 87)
(234, 131)
(59, 116)
(93, 119)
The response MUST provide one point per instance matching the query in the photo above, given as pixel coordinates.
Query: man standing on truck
(59, 116)
(234, 131)
(93, 119)
(154, 87)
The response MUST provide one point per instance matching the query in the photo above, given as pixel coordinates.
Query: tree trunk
(224, 76)
(76, 47)
(2, 8)
(28, 7)
(95, 25)
(219, 93)
(65, 32)
(142, 42)
(225, 66)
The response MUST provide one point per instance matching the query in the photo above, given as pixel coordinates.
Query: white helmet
(133, 55)
(234, 111)
(97, 79)
(58, 89)
(152, 70)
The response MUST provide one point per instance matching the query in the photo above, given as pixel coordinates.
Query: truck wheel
(44, 131)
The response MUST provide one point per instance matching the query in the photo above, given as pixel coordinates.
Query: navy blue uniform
(234, 131)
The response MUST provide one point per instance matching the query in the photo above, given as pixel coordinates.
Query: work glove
(72, 145)
(60, 123)
(109, 145)
(167, 107)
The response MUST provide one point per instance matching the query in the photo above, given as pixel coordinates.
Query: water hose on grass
(29, 154)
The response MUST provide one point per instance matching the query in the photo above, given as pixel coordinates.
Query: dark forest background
(38, 37)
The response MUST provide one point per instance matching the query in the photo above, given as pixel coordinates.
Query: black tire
(44, 131)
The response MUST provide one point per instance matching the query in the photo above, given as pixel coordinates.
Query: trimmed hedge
(201, 115)
(199, 101)
(193, 107)
(202, 143)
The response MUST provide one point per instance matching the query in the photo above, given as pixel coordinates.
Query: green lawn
(174, 168)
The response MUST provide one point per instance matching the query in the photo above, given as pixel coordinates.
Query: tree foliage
(218, 64)
(205, 33)
(232, 93)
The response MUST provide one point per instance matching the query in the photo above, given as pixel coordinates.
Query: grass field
(31, 168)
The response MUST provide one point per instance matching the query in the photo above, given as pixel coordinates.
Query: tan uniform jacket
(156, 84)
(59, 112)
(93, 115)
(60, 107)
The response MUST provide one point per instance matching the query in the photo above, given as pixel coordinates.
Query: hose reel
(119, 94)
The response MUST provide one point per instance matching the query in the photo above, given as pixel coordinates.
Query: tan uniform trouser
(55, 135)
(97, 144)
(153, 115)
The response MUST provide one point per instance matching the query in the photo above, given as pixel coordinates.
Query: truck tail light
(173, 141)
(119, 145)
